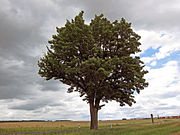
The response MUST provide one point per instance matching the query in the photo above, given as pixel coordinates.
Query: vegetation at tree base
(96, 60)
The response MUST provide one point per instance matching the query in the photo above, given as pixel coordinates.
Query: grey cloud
(169, 95)
(151, 14)
(22, 33)
(23, 25)
(77, 115)
(70, 98)
(166, 108)
(18, 39)
(52, 85)
(26, 26)
(29, 106)
(35, 104)
(14, 83)
(163, 104)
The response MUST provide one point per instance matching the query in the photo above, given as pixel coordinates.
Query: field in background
(122, 127)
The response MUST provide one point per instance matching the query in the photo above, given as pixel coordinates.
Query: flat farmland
(119, 127)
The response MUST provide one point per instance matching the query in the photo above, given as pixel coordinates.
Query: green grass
(165, 128)
(128, 127)
(38, 129)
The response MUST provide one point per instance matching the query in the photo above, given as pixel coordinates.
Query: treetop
(96, 59)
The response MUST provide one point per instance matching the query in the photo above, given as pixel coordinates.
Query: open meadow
(119, 127)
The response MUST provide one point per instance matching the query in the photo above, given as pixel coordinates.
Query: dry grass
(42, 124)
(126, 127)
(8, 125)
(178, 133)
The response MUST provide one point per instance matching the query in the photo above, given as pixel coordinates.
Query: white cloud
(167, 43)
(151, 39)
(168, 49)
(160, 97)
(160, 78)
(164, 86)
(27, 26)
(154, 63)
(147, 59)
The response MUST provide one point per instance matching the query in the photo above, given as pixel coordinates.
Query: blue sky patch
(174, 56)
(149, 52)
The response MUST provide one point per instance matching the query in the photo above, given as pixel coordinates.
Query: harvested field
(124, 127)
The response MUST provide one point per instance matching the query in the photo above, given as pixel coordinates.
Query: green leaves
(96, 59)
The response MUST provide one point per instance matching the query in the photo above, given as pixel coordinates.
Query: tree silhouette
(96, 60)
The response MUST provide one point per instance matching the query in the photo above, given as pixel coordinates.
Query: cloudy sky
(25, 28)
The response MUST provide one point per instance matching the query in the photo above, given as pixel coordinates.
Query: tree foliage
(96, 60)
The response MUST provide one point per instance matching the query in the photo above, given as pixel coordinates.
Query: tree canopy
(97, 60)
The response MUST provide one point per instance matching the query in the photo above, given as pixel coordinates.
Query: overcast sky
(25, 28)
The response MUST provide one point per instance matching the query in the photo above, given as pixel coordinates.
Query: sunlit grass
(120, 127)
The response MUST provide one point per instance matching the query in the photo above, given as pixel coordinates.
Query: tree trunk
(94, 117)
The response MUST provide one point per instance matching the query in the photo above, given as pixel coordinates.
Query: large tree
(96, 60)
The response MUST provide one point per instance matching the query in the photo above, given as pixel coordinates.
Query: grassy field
(121, 127)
